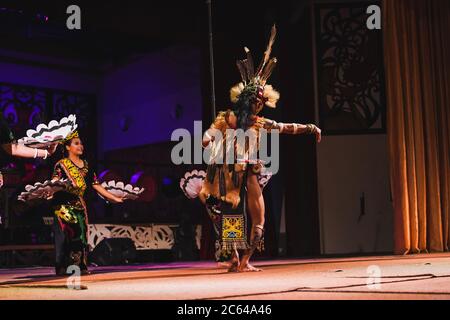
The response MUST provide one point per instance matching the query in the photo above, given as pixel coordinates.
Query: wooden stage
(402, 277)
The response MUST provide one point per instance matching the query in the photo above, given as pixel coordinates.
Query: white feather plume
(272, 95)
(236, 91)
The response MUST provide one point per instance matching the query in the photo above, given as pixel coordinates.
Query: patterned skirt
(70, 230)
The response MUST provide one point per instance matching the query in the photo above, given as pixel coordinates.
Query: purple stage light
(42, 17)
(135, 177)
(103, 174)
(167, 181)
(146, 181)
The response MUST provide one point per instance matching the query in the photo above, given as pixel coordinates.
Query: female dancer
(236, 184)
(71, 219)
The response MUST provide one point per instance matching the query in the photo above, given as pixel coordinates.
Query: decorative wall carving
(145, 237)
(24, 107)
(350, 70)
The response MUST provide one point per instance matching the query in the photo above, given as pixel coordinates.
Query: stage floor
(402, 277)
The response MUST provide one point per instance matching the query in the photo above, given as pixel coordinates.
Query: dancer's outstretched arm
(19, 150)
(107, 195)
(293, 128)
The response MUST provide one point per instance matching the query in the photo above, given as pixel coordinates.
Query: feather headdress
(255, 82)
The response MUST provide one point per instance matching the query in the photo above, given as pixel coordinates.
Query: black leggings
(69, 248)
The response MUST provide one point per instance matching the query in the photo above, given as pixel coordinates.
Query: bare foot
(234, 265)
(234, 262)
(233, 268)
(224, 265)
(248, 268)
(231, 265)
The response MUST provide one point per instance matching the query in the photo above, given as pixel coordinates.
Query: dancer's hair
(243, 109)
(67, 142)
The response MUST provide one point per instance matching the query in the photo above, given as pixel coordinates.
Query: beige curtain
(417, 61)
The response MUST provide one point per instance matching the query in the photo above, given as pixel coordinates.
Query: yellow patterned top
(79, 176)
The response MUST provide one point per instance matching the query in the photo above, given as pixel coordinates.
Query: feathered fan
(43, 190)
(192, 183)
(119, 189)
(54, 132)
(263, 178)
